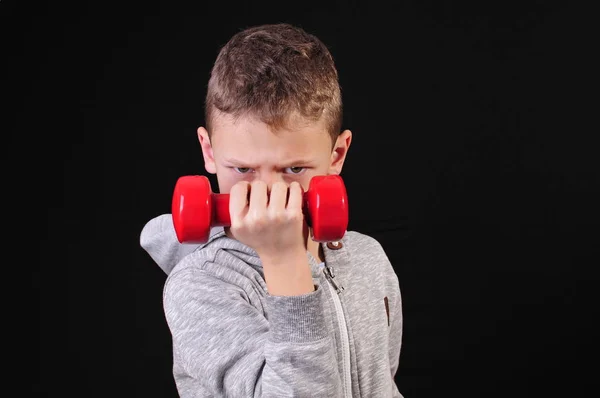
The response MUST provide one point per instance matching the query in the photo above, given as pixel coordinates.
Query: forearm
(288, 274)
(299, 354)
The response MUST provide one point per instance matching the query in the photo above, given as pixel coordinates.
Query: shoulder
(358, 242)
(223, 265)
(198, 279)
(189, 270)
(364, 249)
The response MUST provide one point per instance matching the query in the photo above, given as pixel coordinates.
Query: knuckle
(275, 215)
(255, 219)
(296, 215)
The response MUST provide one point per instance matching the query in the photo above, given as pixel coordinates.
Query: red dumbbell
(195, 208)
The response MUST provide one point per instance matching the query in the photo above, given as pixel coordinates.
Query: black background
(473, 162)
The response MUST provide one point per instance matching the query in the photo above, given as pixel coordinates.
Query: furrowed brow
(293, 163)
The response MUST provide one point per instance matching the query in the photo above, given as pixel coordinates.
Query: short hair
(273, 71)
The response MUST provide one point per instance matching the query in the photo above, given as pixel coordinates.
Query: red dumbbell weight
(195, 208)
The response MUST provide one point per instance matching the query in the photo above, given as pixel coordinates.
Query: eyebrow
(295, 162)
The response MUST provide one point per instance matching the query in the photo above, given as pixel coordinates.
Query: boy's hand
(273, 225)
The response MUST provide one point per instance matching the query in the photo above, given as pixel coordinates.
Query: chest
(359, 323)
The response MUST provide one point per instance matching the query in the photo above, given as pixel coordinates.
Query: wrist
(283, 258)
(288, 275)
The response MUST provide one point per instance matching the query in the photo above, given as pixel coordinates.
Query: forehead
(247, 136)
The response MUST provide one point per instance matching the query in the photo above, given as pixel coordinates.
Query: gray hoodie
(232, 339)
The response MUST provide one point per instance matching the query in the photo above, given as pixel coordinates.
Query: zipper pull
(330, 275)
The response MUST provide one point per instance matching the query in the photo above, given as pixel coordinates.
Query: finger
(278, 197)
(238, 200)
(296, 198)
(258, 197)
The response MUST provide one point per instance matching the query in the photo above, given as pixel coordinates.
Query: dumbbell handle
(220, 210)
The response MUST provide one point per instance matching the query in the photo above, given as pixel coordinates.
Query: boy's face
(247, 149)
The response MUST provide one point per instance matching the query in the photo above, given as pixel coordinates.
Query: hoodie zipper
(345, 340)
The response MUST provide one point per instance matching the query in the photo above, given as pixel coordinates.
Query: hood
(159, 240)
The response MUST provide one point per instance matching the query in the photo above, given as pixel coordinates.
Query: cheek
(305, 180)
(225, 180)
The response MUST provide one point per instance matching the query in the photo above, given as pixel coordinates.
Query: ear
(207, 150)
(340, 150)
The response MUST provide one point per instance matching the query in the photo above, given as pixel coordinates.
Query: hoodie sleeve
(231, 350)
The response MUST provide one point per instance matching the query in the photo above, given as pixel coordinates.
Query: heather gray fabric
(232, 339)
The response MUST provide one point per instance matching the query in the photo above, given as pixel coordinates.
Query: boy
(262, 310)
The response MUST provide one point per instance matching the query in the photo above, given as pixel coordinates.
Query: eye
(242, 170)
(296, 170)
